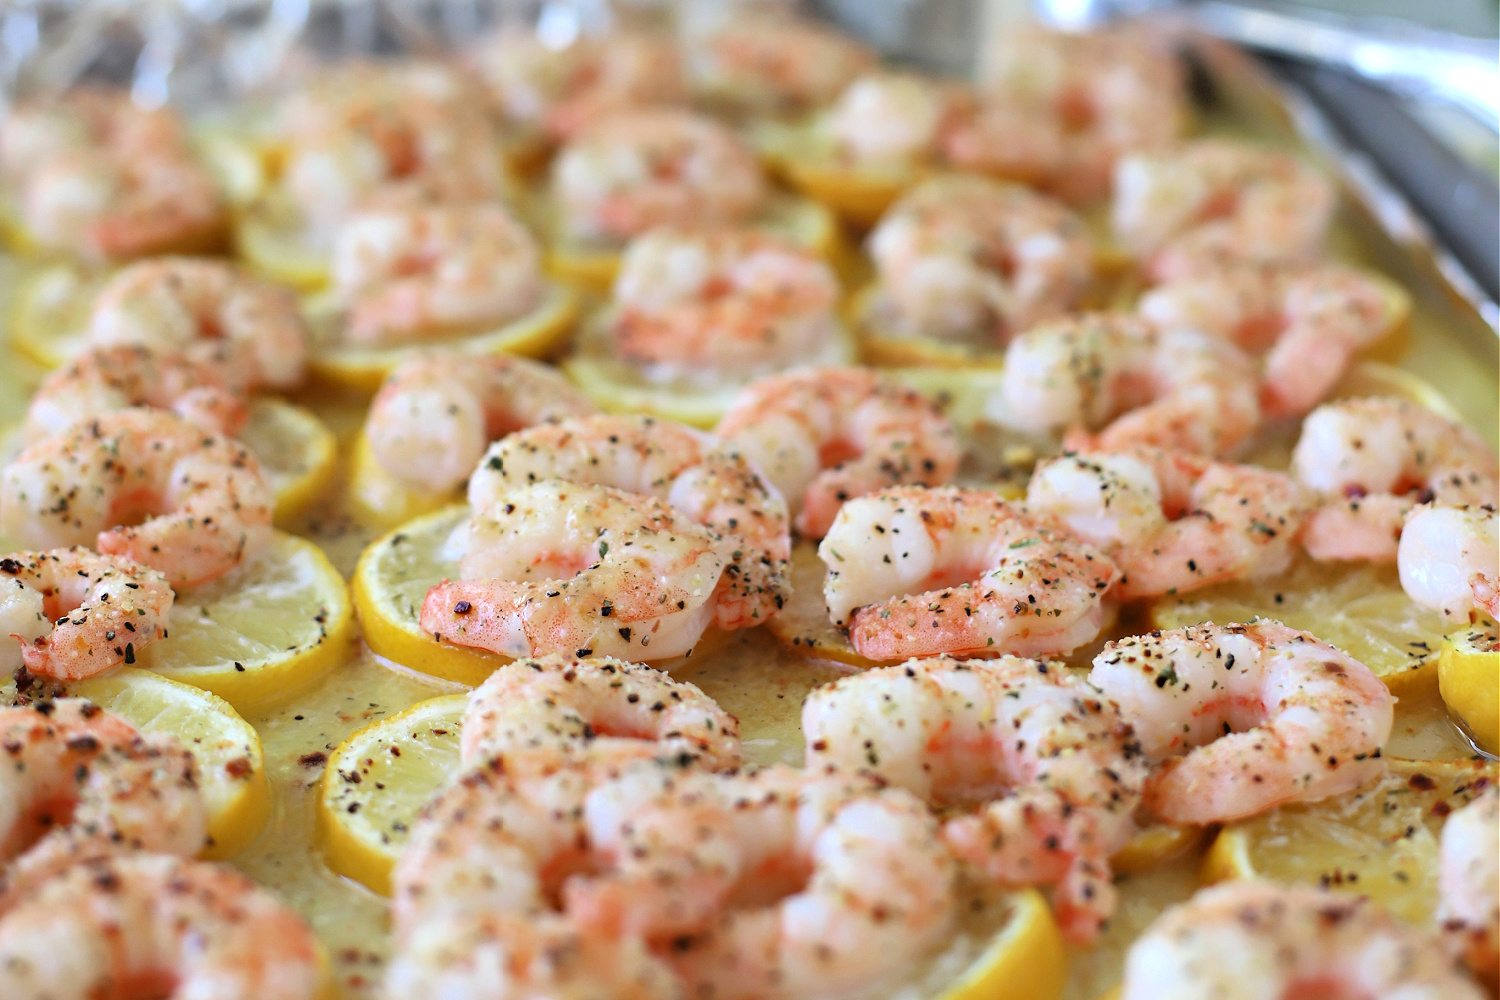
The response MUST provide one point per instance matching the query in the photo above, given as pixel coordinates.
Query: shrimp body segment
(437, 412)
(144, 484)
(1112, 382)
(824, 435)
(1449, 560)
(1468, 872)
(712, 485)
(1252, 940)
(1245, 717)
(1373, 460)
(408, 272)
(721, 304)
(1054, 770)
(569, 709)
(76, 613)
(641, 169)
(205, 307)
(968, 258)
(560, 567)
(918, 572)
(109, 925)
(774, 64)
(1173, 522)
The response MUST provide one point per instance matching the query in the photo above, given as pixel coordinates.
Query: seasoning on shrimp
(770, 64)
(1054, 771)
(1245, 717)
(918, 572)
(1449, 560)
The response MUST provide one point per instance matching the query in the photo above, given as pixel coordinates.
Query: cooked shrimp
(202, 388)
(1222, 201)
(824, 435)
(1059, 108)
(144, 484)
(105, 609)
(1312, 321)
(559, 567)
(205, 307)
(407, 273)
(888, 116)
(641, 169)
(35, 131)
(771, 64)
(968, 258)
(1252, 940)
(1375, 459)
(569, 708)
(82, 783)
(1055, 772)
(793, 884)
(1245, 717)
(917, 572)
(712, 485)
(1173, 522)
(723, 305)
(110, 926)
(1449, 560)
(437, 412)
(1111, 374)
(1469, 883)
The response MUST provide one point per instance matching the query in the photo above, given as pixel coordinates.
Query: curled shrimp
(712, 485)
(108, 925)
(1173, 522)
(144, 484)
(205, 308)
(724, 304)
(1054, 771)
(1373, 460)
(1449, 560)
(567, 709)
(1468, 871)
(1249, 939)
(772, 64)
(641, 169)
(1113, 382)
(202, 389)
(1309, 322)
(885, 117)
(918, 572)
(559, 567)
(972, 259)
(1223, 201)
(824, 435)
(35, 131)
(1245, 717)
(91, 786)
(436, 412)
(76, 613)
(408, 272)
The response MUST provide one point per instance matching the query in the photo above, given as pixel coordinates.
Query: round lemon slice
(1023, 960)
(806, 156)
(1379, 841)
(50, 315)
(279, 250)
(382, 500)
(297, 451)
(235, 164)
(1360, 609)
(392, 579)
(376, 782)
(535, 335)
(267, 629)
(231, 767)
(1376, 378)
(803, 624)
(883, 346)
(1469, 679)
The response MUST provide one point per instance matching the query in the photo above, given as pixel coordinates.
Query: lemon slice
(49, 320)
(1154, 846)
(382, 500)
(297, 451)
(231, 767)
(235, 165)
(1469, 678)
(376, 782)
(1024, 960)
(266, 630)
(277, 249)
(882, 346)
(1379, 841)
(535, 335)
(1360, 609)
(807, 158)
(802, 624)
(1376, 378)
(392, 579)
